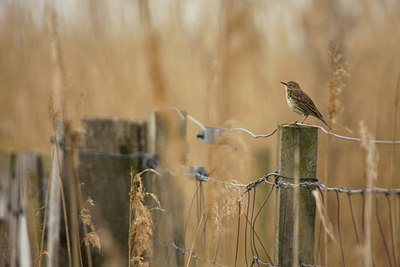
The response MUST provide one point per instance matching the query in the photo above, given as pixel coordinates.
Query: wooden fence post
(295, 207)
(110, 148)
(54, 213)
(166, 139)
(5, 177)
(25, 174)
(19, 184)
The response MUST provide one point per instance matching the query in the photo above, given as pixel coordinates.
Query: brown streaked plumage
(301, 103)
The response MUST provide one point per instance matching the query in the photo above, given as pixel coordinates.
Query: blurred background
(221, 62)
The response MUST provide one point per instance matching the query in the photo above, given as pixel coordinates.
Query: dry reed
(336, 83)
(395, 183)
(371, 161)
(140, 222)
(328, 227)
(225, 207)
(57, 104)
(90, 238)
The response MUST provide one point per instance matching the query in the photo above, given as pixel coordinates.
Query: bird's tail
(322, 119)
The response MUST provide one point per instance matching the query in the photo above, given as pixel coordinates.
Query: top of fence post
(288, 138)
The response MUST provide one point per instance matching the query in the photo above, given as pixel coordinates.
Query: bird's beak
(284, 83)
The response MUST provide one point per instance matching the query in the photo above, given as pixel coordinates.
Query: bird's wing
(308, 106)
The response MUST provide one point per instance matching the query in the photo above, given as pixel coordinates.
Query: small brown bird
(301, 103)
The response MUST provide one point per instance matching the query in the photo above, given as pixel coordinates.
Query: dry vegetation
(221, 61)
(140, 222)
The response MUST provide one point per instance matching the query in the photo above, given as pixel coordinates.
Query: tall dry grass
(371, 160)
(140, 222)
(219, 61)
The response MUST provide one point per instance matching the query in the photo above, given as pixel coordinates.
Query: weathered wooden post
(54, 213)
(295, 206)
(5, 176)
(25, 175)
(166, 138)
(19, 190)
(108, 151)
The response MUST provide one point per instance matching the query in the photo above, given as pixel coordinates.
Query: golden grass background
(221, 62)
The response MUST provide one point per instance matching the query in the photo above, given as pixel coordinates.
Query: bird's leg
(304, 119)
(293, 123)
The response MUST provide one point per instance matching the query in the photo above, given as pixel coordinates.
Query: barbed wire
(312, 185)
(184, 252)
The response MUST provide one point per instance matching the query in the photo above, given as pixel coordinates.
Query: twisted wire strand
(184, 252)
(191, 118)
(313, 185)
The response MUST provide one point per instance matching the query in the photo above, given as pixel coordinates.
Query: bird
(300, 103)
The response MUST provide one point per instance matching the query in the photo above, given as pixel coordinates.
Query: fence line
(198, 175)
(274, 179)
(201, 176)
(312, 185)
(275, 183)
